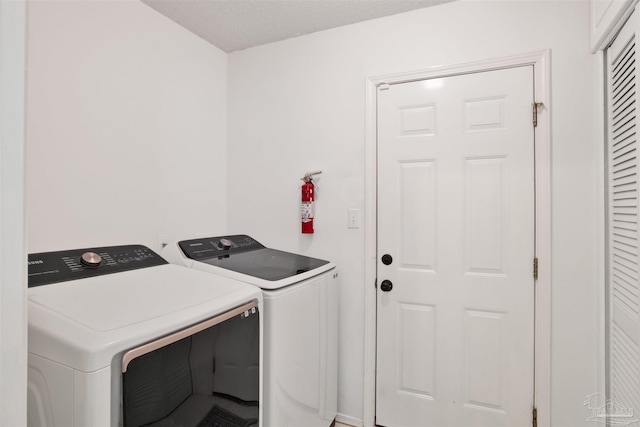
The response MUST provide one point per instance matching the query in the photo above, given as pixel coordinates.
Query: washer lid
(244, 255)
(267, 264)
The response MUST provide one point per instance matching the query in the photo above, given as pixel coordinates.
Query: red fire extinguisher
(308, 198)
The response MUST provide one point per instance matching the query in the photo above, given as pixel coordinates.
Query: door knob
(386, 285)
(387, 259)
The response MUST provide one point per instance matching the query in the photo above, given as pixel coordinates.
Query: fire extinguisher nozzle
(308, 177)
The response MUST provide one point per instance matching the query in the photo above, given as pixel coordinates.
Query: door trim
(542, 136)
(13, 249)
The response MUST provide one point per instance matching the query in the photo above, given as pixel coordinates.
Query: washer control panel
(61, 266)
(222, 246)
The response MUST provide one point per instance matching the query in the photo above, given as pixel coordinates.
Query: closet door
(623, 327)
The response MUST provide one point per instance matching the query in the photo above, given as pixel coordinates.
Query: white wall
(13, 310)
(299, 105)
(126, 127)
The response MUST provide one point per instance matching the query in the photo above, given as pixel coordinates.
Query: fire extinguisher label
(307, 211)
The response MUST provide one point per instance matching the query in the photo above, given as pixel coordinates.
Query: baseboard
(345, 419)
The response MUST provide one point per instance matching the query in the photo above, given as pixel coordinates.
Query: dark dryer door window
(207, 378)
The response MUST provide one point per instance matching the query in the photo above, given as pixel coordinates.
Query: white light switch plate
(354, 218)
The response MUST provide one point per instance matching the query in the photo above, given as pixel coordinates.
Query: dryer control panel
(53, 267)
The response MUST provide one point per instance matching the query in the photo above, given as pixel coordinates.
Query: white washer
(117, 336)
(300, 322)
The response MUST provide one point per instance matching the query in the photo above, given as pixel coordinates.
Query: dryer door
(204, 375)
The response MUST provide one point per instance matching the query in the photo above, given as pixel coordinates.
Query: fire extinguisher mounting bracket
(308, 177)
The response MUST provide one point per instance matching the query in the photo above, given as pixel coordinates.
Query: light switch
(354, 218)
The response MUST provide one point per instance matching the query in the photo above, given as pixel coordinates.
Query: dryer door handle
(184, 333)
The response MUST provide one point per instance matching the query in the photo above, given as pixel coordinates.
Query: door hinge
(383, 86)
(535, 268)
(535, 417)
(375, 283)
(536, 106)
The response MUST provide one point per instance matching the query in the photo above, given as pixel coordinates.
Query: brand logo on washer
(35, 262)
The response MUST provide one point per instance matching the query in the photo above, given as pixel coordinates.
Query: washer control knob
(91, 259)
(224, 244)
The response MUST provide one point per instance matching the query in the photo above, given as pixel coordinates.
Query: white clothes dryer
(300, 322)
(120, 337)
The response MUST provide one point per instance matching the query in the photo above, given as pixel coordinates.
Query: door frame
(542, 157)
(13, 252)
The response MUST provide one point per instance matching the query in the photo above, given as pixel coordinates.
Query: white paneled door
(455, 287)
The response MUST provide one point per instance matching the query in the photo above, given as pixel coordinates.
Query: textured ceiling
(238, 24)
